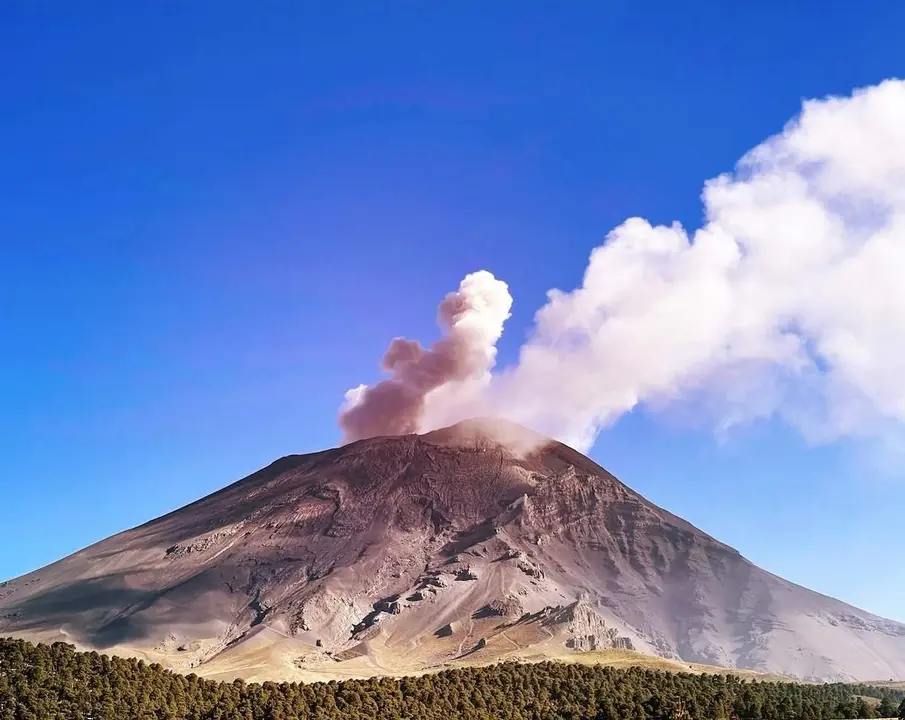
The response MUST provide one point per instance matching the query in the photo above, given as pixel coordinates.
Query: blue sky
(213, 219)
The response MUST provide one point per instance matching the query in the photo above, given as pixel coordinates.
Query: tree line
(50, 682)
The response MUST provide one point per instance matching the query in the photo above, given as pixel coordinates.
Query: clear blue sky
(214, 215)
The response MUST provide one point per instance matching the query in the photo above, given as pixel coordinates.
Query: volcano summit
(478, 541)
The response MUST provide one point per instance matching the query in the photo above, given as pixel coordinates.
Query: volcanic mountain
(479, 541)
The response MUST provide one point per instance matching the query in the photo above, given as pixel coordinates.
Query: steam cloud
(788, 302)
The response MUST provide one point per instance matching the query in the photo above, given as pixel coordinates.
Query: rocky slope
(465, 544)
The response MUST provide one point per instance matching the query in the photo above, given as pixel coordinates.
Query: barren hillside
(404, 553)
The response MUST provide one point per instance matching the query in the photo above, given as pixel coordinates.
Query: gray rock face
(369, 548)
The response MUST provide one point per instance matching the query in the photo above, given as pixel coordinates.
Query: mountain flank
(402, 554)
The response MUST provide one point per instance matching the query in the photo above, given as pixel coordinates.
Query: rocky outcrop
(585, 629)
(508, 607)
(388, 605)
(531, 569)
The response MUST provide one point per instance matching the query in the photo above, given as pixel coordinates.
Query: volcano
(468, 544)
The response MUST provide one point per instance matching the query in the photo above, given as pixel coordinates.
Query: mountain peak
(494, 429)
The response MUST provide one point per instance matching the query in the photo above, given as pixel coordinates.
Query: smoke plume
(472, 321)
(788, 302)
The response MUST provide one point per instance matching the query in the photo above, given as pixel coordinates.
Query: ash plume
(472, 321)
(787, 302)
